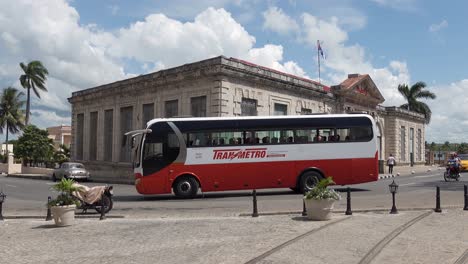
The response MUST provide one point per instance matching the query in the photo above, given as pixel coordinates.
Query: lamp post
(2, 198)
(393, 189)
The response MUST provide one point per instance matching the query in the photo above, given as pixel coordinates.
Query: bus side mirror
(133, 142)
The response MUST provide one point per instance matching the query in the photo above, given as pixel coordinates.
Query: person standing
(391, 162)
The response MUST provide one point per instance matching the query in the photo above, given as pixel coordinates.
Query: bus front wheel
(309, 179)
(186, 187)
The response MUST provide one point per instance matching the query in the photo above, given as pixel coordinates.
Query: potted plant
(320, 199)
(63, 207)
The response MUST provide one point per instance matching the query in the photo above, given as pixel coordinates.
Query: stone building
(61, 135)
(223, 87)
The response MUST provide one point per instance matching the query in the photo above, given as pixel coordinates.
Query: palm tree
(11, 112)
(412, 95)
(35, 75)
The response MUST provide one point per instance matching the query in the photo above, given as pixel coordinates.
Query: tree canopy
(11, 111)
(34, 146)
(412, 94)
(34, 77)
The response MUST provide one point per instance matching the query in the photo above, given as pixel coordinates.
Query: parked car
(463, 161)
(70, 170)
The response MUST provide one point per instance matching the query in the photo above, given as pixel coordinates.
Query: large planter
(319, 209)
(63, 215)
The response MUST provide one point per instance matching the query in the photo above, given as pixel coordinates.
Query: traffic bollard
(437, 209)
(103, 209)
(254, 200)
(466, 198)
(348, 202)
(49, 215)
(304, 210)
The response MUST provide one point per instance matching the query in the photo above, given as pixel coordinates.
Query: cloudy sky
(87, 43)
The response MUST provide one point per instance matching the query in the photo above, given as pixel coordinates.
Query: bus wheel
(186, 187)
(309, 180)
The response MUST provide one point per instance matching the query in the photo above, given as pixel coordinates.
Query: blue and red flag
(320, 49)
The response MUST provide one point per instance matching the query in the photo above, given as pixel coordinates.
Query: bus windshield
(161, 148)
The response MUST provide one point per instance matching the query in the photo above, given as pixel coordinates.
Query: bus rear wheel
(308, 180)
(186, 187)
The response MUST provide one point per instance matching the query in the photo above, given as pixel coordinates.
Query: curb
(24, 176)
(387, 176)
(43, 217)
(371, 210)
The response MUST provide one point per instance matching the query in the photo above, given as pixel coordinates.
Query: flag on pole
(320, 49)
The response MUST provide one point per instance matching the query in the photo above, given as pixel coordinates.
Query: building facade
(223, 87)
(61, 135)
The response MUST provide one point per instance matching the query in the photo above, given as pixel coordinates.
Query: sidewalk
(408, 170)
(407, 237)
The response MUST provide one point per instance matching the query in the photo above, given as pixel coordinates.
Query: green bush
(322, 192)
(66, 187)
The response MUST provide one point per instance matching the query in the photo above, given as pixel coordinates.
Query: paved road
(28, 197)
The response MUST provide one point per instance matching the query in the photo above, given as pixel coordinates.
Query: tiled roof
(351, 81)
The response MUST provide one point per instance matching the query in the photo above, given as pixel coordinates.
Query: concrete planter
(63, 215)
(319, 210)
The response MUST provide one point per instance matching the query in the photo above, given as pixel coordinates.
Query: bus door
(161, 149)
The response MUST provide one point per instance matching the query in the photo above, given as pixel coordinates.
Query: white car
(70, 170)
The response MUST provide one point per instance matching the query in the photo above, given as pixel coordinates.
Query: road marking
(11, 185)
(406, 184)
(428, 176)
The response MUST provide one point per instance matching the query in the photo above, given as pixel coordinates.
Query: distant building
(4, 148)
(60, 135)
(223, 86)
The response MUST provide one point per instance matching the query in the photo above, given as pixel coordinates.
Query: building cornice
(400, 112)
(218, 66)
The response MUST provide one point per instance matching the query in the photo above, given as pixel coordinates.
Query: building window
(148, 113)
(79, 136)
(280, 109)
(403, 143)
(306, 111)
(126, 124)
(248, 107)
(419, 144)
(198, 105)
(108, 133)
(93, 122)
(171, 108)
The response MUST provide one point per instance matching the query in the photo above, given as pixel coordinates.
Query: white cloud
(342, 59)
(276, 20)
(82, 56)
(449, 120)
(159, 38)
(44, 119)
(271, 56)
(437, 27)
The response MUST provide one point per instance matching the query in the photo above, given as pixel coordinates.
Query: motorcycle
(452, 172)
(90, 197)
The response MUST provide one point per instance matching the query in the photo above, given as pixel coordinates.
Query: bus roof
(156, 120)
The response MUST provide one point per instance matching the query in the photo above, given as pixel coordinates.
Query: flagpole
(318, 58)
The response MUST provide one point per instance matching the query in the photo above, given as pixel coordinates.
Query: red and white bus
(235, 153)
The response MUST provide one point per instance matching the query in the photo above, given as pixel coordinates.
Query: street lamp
(393, 189)
(2, 198)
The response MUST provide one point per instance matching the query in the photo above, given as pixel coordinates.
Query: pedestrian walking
(391, 162)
